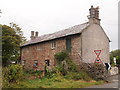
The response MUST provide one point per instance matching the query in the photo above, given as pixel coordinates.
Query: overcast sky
(48, 16)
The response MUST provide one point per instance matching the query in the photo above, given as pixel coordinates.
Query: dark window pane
(47, 62)
(68, 44)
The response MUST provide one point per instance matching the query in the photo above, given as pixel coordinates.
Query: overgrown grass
(64, 75)
(55, 82)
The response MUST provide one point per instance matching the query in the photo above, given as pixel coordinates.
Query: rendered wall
(94, 38)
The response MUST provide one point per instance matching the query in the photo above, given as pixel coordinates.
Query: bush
(61, 56)
(33, 72)
(70, 65)
(12, 73)
(58, 70)
(5, 82)
(49, 73)
(65, 64)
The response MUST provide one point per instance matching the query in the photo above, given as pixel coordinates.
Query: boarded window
(68, 44)
(53, 44)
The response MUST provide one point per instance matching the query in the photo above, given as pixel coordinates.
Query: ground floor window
(35, 64)
(47, 62)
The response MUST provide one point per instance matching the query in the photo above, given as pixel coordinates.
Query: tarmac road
(112, 84)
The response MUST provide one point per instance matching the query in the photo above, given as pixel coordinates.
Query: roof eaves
(47, 40)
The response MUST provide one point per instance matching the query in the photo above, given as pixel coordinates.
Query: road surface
(112, 84)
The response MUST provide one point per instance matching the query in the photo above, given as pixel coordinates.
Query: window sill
(53, 48)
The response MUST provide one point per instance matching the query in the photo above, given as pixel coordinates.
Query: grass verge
(55, 82)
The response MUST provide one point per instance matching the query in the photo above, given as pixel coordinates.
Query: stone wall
(114, 71)
(43, 51)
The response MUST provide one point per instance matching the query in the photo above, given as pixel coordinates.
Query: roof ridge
(63, 29)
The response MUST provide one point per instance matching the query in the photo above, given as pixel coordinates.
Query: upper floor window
(53, 45)
(68, 44)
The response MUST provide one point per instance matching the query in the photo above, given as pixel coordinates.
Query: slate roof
(66, 32)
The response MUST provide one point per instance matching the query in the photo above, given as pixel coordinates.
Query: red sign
(97, 60)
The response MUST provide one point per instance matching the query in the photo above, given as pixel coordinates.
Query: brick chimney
(36, 34)
(94, 15)
(33, 35)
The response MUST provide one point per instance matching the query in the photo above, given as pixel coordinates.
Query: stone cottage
(85, 42)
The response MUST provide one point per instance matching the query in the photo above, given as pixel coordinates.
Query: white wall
(94, 38)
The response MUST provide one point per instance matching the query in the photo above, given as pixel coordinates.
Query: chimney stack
(33, 35)
(94, 15)
(36, 34)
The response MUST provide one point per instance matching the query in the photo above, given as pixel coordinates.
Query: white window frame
(53, 44)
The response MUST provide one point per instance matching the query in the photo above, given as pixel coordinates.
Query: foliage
(49, 73)
(60, 56)
(115, 53)
(12, 38)
(78, 76)
(118, 60)
(65, 63)
(75, 80)
(55, 72)
(111, 60)
(71, 66)
(12, 73)
(69, 69)
(5, 81)
(33, 72)
(82, 76)
(55, 82)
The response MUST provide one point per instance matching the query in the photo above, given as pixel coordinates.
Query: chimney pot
(36, 34)
(94, 15)
(32, 35)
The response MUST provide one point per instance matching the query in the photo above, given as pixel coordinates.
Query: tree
(12, 38)
(115, 53)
